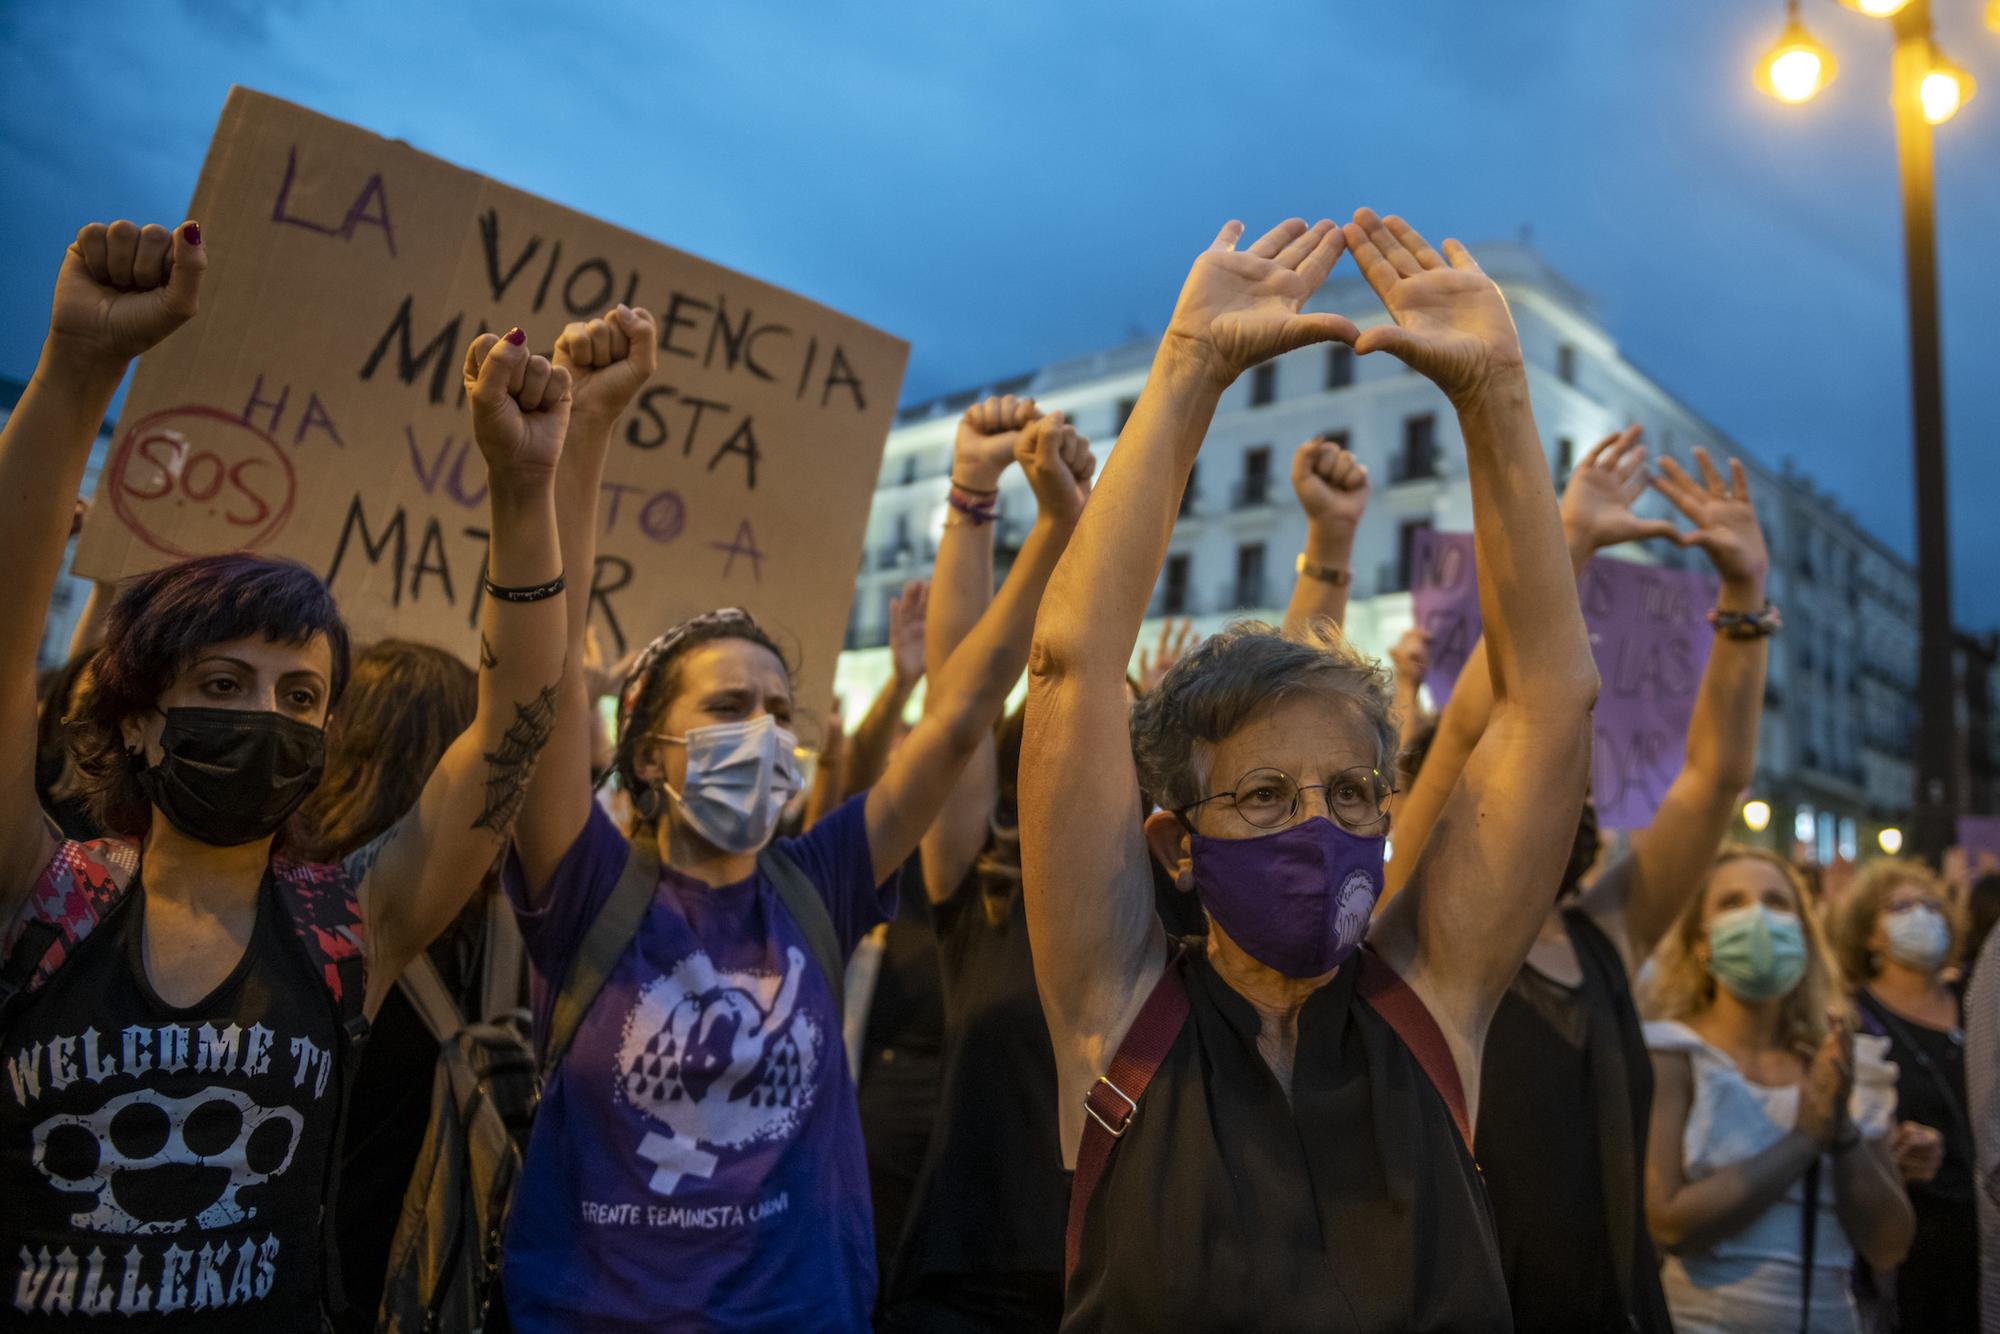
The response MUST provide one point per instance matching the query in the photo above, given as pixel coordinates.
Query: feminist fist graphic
(721, 1060)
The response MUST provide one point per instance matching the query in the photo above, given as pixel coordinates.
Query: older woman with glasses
(1289, 1108)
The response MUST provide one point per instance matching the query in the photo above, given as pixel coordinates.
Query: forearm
(558, 797)
(1722, 735)
(1537, 650)
(44, 447)
(89, 632)
(1459, 728)
(1315, 599)
(868, 749)
(961, 588)
(1872, 1205)
(826, 786)
(1098, 595)
(971, 689)
(1703, 1212)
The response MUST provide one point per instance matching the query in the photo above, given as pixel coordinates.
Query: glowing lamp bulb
(1890, 840)
(1876, 9)
(1757, 815)
(1943, 89)
(1797, 66)
(1993, 14)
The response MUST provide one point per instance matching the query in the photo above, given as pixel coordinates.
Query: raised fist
(1059, 465)
(609, 359)
(987, 434)
(123, 288)
(1331, 484)
(1411, 657)
(520, 405)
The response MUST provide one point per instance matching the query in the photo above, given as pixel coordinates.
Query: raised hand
(1174, 643)
(1240, 307)
(1918, 1150)
(520, 405)
(1411, 657)
(1725, 522)
(1597, 503)
(1452, 325)
(1058, 464)
(1829, 1080)
(906, 630)
(1331, 484)
(987, 434)
(609, 359)
(124, 288)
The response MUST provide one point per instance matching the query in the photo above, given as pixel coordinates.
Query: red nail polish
(516, 336)
(192, 232)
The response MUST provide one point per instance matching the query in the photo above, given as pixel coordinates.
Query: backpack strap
(604, 942)
(1390, 996)
(1113, 1100)
(424, 989)
(801, 899)
(504, 953)
(77, 890)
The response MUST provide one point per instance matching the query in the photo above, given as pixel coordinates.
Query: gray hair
(1247, 667)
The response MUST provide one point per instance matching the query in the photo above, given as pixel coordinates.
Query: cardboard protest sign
(1650, 635)
(1444, 595)
(313, 409)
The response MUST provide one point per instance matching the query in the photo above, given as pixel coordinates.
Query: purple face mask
(1297, 901)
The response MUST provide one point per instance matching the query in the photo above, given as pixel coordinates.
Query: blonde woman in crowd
(1895, 933)
(1768, 1167)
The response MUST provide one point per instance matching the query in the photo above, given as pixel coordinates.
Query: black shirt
(1566, 1097)
(993, 1196)
(1353, 1206)
(163, 1167)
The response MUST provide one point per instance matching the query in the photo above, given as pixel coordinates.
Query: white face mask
(1918, 936)
(739, 777)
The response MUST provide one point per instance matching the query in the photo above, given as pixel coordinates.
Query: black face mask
(230, 776)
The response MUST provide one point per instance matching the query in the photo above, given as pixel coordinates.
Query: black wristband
(532, 593)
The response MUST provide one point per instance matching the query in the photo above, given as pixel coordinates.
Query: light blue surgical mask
(1918, 936)
(1758, 954)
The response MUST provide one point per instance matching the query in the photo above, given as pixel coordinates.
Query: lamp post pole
(1937, 775)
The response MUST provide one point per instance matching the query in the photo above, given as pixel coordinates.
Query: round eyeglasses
(1270, 799)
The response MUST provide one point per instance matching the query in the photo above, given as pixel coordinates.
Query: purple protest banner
(1650, 635)
(1979, 836)
(1444, 598)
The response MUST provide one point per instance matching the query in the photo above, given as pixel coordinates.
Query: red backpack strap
(1114, 1099)
(326, 911)
(1390, 996)
(79, 886)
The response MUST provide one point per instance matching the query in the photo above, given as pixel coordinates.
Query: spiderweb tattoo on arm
(512, 763)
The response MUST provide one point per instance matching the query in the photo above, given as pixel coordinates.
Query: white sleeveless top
(1749, 1282)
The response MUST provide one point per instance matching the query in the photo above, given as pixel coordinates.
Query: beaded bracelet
(531, 593)
(1759, 624)
(976, 512)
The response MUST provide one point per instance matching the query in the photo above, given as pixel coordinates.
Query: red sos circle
(195, 479)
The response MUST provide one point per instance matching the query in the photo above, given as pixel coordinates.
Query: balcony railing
(1250, 493)
(1414, 465)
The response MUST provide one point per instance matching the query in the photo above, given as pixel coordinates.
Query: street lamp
(1757, 815)
(1925, 90)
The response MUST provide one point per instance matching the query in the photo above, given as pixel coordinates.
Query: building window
(1339, 366)
(1565, 460)
(1189, 493)
(1566, 363)
(1125, 406)
(1338, 438)
(909, 469)
(1264, 384)
(1406, 552)
(1419, 456)
(1255, 488)
(1250, 575)
(1174, 593)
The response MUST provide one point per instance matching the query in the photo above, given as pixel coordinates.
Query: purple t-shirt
(697, 1160)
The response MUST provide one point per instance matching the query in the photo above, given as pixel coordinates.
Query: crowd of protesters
(1217, 986)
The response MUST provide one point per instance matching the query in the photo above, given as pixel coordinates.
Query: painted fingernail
(517, 336)
(192, 232)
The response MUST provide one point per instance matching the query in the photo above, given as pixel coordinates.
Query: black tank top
(993, 1197)
(162, 1168)
(1565, 1098)
(1353, 1207)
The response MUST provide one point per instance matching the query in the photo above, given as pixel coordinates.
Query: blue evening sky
(1006, 184)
